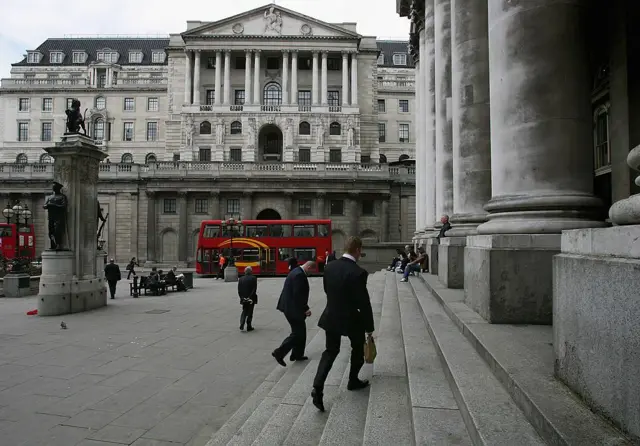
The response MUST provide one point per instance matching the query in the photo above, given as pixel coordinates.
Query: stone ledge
(618, 241)
(515, 241)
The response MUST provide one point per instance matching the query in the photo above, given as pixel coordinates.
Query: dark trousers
(296, 341)
(247, 315)
(131, 271)
(331, 352)
(112, 287)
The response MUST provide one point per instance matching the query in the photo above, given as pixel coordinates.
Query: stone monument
(72, 277)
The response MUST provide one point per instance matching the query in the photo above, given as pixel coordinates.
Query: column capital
(294, 52)
(187, 52)
(315, 53)
(197, 51)
(257, 51)
(247, 193)
(227, 51)
(285, 51)
(182, 193)
(150, 193)
(321, 194)
(214, 194)
(345, 53)
(248, 51)
(325, 54)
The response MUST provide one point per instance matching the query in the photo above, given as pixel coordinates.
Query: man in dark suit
(112, 276)
(247, 291)
(348, 313)
(294, 303)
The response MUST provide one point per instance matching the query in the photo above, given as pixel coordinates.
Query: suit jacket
(248, 287)
(294, 299)
(112, 272)
(348, 305)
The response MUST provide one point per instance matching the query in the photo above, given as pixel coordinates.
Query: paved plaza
(154, 371)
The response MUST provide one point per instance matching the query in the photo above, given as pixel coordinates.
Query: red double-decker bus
(265, 245)
(20, 235)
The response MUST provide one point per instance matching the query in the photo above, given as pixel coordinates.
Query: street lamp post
(16, 213)
(231, 225)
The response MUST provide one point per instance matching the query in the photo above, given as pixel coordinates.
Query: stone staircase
(431, 384)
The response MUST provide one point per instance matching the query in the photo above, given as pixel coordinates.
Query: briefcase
(370, 351)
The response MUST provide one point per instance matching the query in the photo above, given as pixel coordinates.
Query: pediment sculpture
(273, 20)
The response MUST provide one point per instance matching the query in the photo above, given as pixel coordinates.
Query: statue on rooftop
(75, 119)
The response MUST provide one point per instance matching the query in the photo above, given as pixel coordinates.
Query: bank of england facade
(266, 114)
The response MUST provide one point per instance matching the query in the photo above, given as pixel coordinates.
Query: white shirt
(349, 256)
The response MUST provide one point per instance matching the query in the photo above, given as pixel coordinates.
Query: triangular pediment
(271, 21)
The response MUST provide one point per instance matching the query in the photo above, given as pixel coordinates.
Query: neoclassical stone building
(266, 114)
(527, 111)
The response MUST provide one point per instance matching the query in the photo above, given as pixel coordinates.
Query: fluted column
(247, 77)
(227, 77)
(285, 77)
(294, 77)
(384, 223)
(354, 78)
(257, 100)
(214, 205)
(429, 123)
(354, 214)
(196, 79)
(187, 78)
(321, 211)
(345, 78)
(151, 226)
(218, 79)
(419, 148)
(324, 87)
(542, 178)
(314, 80)
(183, 227)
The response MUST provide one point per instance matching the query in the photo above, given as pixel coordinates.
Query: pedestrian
(221, 266)
(294, 303)
(130, 267)
(348, 313)
(247, 291)
(112, 276)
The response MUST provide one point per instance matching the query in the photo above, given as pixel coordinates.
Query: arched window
(383, 159)
(22, 159)
(334, 128)
(45, 158)
(98, 129)
(304, 128)
(127, 158)
(403, 157)
(272, 94)
(205, 128)
(236, 128)
(150, 158)
(101, 103)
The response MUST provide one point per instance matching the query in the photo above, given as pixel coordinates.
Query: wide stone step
(436, 417)
(492, 418)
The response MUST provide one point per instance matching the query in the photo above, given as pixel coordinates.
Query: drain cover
(157, 311)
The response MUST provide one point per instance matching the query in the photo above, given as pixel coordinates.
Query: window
(152, 131)
(403, 104)
(205, 128)
(233, 206)
(127, 158)
(334, 64)
(56, 57)
(102, 80)
(304, 254)
(368, 207)
(602, 154)
(211, 62)
(69, 101)
(23, 131)
(382, 132)
(336, 207)
(256, 230)
(78, 57)
(383, 159)
(152, 104)
(33, 57)
(47, 129)
(305, 63)
(108, 56)
(304, 128)
(211, 97)
(46, 159)
(400, 59)
(202, 206)
(403, 132)
(98, 129)
(250, 255)
(382, 106)
(235, 155)
(280, 231)
(236, 128)
(157, 57)
(335, 155)
(176, 157)
(22, 159)
(204, 154)
(304, 98)
(135, 57)
(304, 155)
(272, 94)
(304, 207)
(211, 231)
(273, 63)
(127, 134)
(23, 104)
(101, 103)
(323, 230)
(170, 206)
(239, 97)
(333, 98)
(241, 63)
(381, 59)
(334, 128)
(365, 159)
(304, 230)
(129, 104)
(150, 158)
(47, 104)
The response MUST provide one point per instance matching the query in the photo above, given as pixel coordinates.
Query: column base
(433, 244)
(508, 278)
(465, 224)
(451, 261)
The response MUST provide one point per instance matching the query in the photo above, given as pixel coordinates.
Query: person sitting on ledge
(445, 226)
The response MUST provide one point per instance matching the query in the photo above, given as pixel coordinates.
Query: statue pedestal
(231, 274)
(72, 279)
(16, 285)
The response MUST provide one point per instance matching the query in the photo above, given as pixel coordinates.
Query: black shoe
(299, 358)
(241, 327)
(316, 398)
(113, 298)
(279, 359)
(250, 328)
(357, 384)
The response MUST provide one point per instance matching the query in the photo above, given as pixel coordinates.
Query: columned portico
(285, 77)
(256, 78)
(345, 78)
(354, 79)
(247, 76)
(314, 79)
(227, 77)
(324, 78)
(196, 78)
(187, 78)
(294, 77)
(218, 78)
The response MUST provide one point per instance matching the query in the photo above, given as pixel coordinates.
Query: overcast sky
(24, 24)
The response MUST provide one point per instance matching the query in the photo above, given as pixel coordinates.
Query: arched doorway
(268, 214)
(270, 143)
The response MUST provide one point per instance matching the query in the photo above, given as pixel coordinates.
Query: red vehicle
(23, 235)
(265, 245)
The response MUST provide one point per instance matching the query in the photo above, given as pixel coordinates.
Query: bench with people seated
(159, 286)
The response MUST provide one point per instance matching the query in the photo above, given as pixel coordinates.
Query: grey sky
(24, 24)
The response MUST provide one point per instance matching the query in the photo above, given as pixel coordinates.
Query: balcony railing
(35, 83)
(261, 108)
(143, 81)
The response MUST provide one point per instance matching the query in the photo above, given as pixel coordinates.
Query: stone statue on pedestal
(75, 119)
(220, 132)
(102, 220)
(351, 139)
(251, 133)
(56, 206)
(320, 134)
(189, 130)
(288, 133)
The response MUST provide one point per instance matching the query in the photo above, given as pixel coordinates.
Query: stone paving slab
(154, 371)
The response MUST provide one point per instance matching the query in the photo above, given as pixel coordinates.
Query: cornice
(265, 37)
(80, 90)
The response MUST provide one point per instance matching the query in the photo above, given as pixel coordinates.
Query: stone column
(384, 223)
(314, 80)
(354, 214)
(214, 205)
(227, 77)
(285, 77)
(419, 130)
(294, 77)
(196, 79)
(134, 197)
(354, 78)
(187, 78)
(345, 79)
(247, 76)
(288, 205)
(321, 210)
(151, 226)
(324, 82)
(218, 78)
(247, 206)
(257, 100)
(429, 69)
(183, 226)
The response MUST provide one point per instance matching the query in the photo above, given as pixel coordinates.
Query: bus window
(6, 232)
(304, 230)
(323, 231)
(211, 231)
(284, 254)
(304, 254)
(280, 230)
(251, 255)
(237, 232)
(257, 231)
